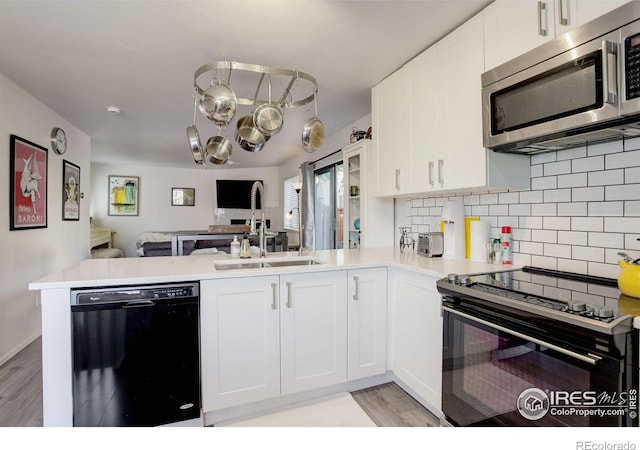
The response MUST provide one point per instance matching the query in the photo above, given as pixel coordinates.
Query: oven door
(575, 89)
(496, 376)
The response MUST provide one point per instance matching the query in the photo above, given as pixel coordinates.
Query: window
(291, 210)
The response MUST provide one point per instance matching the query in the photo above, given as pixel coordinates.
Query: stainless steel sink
(241, 265)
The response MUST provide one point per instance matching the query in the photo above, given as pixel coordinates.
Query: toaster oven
(430, 244)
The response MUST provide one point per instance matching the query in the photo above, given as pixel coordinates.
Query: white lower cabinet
(240, 341)
(313, 324)
(367, 327)
(417, 349)
(262, 337)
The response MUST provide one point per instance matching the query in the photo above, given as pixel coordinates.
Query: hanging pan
(218, 103)
(313, 132)
(194, 140)
(268, 117)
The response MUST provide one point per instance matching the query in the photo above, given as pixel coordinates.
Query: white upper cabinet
(427, 120)
(513, 27)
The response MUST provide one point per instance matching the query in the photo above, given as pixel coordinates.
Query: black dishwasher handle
(139, 304)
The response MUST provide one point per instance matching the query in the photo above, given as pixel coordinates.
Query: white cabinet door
(572, 13)
(390, 141)
(417, 360)
(424, 121)
(460, 65)
(367, 327)
(512, 28)
(240, 341)
(313, 325)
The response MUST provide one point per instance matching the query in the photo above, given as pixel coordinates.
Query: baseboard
(17, 349)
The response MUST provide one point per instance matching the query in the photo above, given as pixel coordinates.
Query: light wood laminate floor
(21, 396)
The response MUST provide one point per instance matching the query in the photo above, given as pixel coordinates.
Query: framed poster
(123, 195)
(28, 190)
(70, 191)
(183, 196)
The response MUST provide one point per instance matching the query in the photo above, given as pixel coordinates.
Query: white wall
(155, 210)
(31, 254)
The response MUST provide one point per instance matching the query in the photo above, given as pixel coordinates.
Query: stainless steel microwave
(582, 87)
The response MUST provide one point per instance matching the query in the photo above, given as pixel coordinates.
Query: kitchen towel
(479, 240)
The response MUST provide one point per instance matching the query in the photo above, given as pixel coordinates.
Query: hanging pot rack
(284, 102)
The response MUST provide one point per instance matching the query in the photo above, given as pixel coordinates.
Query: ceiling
(81, 57)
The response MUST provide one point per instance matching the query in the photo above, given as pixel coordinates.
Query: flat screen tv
(236, 194)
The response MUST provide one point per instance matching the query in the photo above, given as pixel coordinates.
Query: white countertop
(144, 270)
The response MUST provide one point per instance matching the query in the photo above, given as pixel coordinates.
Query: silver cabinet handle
(431, 165)
(589, 358)
(441, 171)
(397, 179)
(542, 10)
(289, 295)
(274, 302)
(610, 80)
(356, 281)
(563, 20)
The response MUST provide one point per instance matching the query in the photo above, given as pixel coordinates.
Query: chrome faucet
(257, 185)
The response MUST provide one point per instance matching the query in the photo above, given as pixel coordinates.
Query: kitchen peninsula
(332, 287)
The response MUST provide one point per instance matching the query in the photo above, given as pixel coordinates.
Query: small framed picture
(28, 189)
(123, 195)
(70, 191)
(183, 196)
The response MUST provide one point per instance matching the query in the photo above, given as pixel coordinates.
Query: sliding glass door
(329, 204)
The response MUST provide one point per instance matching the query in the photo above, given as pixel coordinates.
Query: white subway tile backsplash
(588, 194)
(587, 224)
(557, 195)
(544, 183)
(522, 209)
(632, 208)
(622, 224)
(573, 153)
(547, 236)
(571, 265)
(587, 164)
(532, 248)
(582, 209)
(606, 209)
(572, 180)
(532, 197)
(632, 175)
(488, 199)
(537, 170)
(508, 197)
(607, 240)
(587, 253)
(557, 250)
(622, 160)
(557, 168)
(498, 210)
(573, 237)
(543, 209)
(606, 148)
(622, 192)
(530, 222)
(556, 223)
(572, 209)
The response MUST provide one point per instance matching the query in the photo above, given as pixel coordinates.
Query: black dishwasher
(136, 358)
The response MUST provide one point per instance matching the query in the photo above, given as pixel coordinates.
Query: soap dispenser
(245, 248)
(235, 247)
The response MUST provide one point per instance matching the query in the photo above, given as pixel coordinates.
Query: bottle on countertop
(497, 249)
(235, 247)
(505, 243)
(245, 247)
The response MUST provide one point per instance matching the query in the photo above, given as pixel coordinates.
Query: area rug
(339, 410)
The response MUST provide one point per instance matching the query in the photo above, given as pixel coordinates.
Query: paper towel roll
(479, 239)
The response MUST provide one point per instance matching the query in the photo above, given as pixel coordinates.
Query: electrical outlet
(38, 300)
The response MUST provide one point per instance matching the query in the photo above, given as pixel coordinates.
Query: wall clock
(58, 140)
